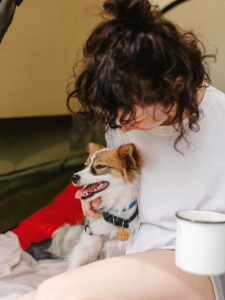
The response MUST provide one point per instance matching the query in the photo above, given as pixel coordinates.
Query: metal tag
(122, 234)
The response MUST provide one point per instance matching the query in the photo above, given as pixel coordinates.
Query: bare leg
(150, 275)
(28, 296)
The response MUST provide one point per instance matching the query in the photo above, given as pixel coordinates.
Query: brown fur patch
(105, 158)
(131, 160)
(124, 161)
(92, 148)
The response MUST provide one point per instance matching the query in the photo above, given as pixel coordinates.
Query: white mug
(200, 242)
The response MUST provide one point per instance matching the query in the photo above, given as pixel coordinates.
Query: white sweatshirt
(170, 181)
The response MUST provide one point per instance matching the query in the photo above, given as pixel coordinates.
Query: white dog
(114, 175)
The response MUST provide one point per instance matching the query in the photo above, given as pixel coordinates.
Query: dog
(113, 175)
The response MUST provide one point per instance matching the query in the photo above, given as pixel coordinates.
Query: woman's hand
(87, 207)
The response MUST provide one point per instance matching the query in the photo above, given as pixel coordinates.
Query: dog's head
(106, 169)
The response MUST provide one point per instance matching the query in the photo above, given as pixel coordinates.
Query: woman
(148, 81)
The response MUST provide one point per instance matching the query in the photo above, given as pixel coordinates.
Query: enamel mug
(200, 242)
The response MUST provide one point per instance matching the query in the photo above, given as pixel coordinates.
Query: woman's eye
(100, 167)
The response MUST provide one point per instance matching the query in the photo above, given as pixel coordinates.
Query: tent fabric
(65, 208)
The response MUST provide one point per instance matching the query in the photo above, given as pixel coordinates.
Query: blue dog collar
(130, 206)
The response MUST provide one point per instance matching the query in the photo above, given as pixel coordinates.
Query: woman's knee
(50, 289)
(149, 275)
(44, 291)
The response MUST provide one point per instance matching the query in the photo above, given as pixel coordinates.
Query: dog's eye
(100, 167)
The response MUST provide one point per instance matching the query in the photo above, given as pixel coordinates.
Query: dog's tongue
(80, 193)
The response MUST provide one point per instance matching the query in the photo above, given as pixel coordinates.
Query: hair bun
(127, 8)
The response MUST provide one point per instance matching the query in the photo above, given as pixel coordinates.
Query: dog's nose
(75, 178)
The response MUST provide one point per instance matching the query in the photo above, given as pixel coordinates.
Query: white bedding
(20, 273)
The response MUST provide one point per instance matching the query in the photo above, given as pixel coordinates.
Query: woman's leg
(28, 296)
(150, 275)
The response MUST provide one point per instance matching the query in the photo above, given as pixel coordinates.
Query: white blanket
(20, 273)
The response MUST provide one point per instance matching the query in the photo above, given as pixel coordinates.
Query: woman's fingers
(96, 202)
(94, 214)
(87, 207)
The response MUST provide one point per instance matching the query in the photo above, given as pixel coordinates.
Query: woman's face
(145, 118)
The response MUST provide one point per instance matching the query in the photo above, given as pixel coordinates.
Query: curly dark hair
(134, 58)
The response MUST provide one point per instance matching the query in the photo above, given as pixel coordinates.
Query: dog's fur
(120, 168)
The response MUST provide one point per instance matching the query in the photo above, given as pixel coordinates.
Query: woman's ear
(92, 148)
(131, 160)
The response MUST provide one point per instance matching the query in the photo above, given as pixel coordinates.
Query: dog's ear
(92, 148)
(131, 160)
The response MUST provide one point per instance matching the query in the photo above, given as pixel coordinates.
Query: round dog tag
(122, 234)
